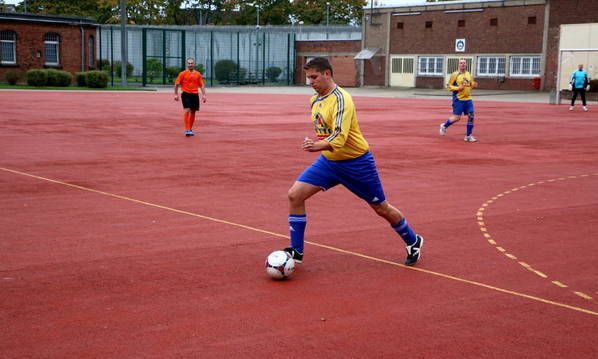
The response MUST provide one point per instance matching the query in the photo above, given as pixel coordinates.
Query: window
(494, 22)
(461, 23)
(399, 25)
(525, 66)
(402, 65)
(430, 66)
(428, 24)
(452, 64)
(491, 66)
(51, 47)
(91, 52)
(531, 20)
(8, 48)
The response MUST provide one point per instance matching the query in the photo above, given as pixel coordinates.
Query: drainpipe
(82, 49)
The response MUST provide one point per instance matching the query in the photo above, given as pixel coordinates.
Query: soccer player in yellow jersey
(345, 159)
(461, 83)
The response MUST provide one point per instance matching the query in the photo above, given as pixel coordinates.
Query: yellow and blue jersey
(460, 79)
(335, 121)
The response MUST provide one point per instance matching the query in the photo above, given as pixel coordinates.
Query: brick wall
(30, 46)
(564, 12)
(374, 71)
(512, 34)
(340, 53)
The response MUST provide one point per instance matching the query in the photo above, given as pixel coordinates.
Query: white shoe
(470, 138)
(570, 108)
(442, 129)
(585, 108)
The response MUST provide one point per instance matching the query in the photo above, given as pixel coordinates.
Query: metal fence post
(144, 57)
(163, 57)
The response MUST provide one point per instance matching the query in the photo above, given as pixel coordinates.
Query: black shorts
(190, 101)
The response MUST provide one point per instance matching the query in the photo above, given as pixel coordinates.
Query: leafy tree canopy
(216, 12)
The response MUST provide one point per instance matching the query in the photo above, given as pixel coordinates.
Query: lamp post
(327, 15)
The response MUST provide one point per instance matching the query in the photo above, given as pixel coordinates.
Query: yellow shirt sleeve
(451, 82)
(342, 115)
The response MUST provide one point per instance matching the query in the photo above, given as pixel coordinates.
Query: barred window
(491, 66)
(525, 66)
(402, 65)
(8, 47)
(52, 49)
(452, 65)
(430, 66)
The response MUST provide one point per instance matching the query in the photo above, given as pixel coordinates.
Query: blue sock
(469, 128)
(297, 223)
(403, 229)
(447, 123)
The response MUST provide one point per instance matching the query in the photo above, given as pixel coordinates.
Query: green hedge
(96, 79)
(13, 76)
(49, 77)
(81, 79)
(37, 77)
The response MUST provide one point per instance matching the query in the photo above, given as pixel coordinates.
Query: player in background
(345, 159)
(579, 83)
(461, 83)
(190, 80)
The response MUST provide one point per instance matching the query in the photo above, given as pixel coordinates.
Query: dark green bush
(273, 72)
(241, 77)
(52, 76)
(96, 79)
(200, 68)
(81, 79)
(594, 85)
(13, 76)
(65, 78)
(37, 77)
(117, 68)
(104, 65)
(172, 72)
(223, 69)
(153, 68)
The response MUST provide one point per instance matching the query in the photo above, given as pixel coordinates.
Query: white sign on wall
(460, 45)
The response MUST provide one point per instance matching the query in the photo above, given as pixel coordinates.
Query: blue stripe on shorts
(359, 175)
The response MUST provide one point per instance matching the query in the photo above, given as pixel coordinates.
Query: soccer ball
(279, 265)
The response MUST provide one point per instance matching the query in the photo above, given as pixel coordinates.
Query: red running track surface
(121, 238)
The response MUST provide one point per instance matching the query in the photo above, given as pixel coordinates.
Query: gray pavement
(392, 92)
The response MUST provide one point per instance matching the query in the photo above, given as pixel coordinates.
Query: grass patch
(109, 88)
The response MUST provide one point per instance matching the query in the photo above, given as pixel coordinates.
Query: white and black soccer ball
(280, 265)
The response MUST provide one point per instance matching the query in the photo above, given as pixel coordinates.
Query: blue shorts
(359, 175)
(460, 107)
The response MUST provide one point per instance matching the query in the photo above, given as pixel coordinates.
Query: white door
(402, 71)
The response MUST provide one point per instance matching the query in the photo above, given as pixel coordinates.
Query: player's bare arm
(176, 92)
(310, 145)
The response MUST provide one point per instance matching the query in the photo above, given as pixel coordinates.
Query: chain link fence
(238, 55)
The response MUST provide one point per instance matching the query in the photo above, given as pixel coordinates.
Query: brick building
(341, 54)
(31, 41)
(508, 44)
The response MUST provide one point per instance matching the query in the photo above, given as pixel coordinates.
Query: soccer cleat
(295, 254)
(585, 108)
(442, 129)
(470, 138)
(189, 133)
(414, 251)
(570, 108)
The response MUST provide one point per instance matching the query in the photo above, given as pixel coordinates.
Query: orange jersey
(190, 81)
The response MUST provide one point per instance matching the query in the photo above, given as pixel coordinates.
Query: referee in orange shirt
(190, 80)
